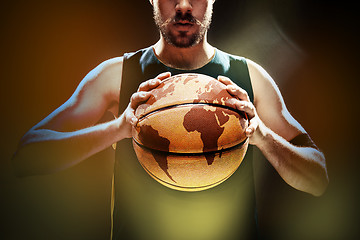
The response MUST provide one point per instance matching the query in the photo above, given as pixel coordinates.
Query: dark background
(308, 47)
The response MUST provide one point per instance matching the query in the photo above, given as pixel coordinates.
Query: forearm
(44, 151)
(302, 167)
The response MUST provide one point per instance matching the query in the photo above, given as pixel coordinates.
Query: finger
(163, 75)
(153, 83)
(225, 80)
(149, 85)
(138, 98)
(246, 107)
(238, 92)
(233, 88)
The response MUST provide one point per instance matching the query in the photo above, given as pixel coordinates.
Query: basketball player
(142, 208)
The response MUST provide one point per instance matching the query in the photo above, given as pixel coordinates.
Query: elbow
(318, 177)
(321, 185)
(315, 187)
(319, 191)
(321, 180)
(316, 180)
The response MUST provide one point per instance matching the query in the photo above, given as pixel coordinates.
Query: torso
(144, 209)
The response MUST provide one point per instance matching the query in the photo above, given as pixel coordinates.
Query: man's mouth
(184, 22)
(183, 25)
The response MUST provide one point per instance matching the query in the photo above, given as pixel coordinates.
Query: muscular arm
(282, 140)
(70, 133)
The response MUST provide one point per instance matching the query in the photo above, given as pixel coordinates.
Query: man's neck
(184, 58)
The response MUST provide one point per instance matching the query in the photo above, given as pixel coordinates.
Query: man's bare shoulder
(257, 70)
(105, 78)
(100, 88)
(262, 82)
(111, 64)
(107, 70)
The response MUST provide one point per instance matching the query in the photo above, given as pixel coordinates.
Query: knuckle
(133, 100)
(137, 96)
(142, 85)
(237, 104)
(245, 104)
(250, 105)
(232, 88)
(225, 78)
(133, 97)
(243, 92)
(141, 95)
(161, 75)
(150, 81)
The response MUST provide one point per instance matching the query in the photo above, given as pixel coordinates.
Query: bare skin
(75, 122)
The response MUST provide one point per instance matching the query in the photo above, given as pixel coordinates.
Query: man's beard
(183, 40)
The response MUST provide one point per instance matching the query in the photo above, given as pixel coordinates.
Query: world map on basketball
(189, 135)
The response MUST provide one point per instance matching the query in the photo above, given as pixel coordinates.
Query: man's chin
(183, 45)
(183, 42)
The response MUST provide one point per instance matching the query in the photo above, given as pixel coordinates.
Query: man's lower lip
(183, 26)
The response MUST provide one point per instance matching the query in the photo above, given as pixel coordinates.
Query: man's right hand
(128, 118)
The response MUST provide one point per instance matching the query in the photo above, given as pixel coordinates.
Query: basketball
(189, 136)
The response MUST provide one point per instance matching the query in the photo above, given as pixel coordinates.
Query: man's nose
(184, 6)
